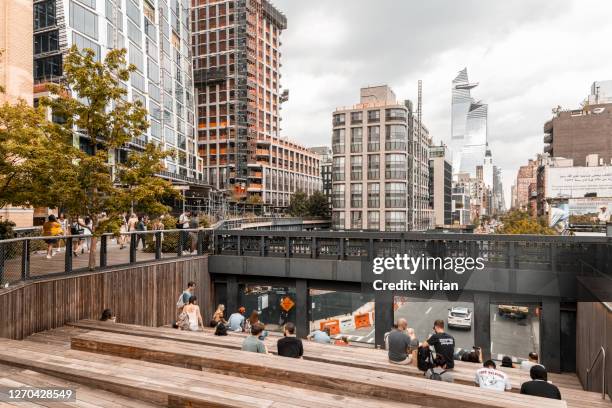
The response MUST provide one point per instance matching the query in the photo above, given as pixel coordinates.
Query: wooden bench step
(367, 383)
(172, 386)
(346, 356)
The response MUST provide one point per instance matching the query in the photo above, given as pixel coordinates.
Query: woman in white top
(195, 317)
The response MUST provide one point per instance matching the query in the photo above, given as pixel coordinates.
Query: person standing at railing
(51, 228)
(141, 227)
(123, 229)
(64, 223)
(158, 225)
(76, 228)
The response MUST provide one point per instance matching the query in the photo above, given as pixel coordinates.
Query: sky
(528, 56)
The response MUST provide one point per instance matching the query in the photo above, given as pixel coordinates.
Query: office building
(575, 134)
(526, 179)
(237, 60)
(374, 146)
(468, 127)
(325, 166)
(156, 35)
(440, 185)
(460, 205)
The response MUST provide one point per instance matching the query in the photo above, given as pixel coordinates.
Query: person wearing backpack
(439, 370)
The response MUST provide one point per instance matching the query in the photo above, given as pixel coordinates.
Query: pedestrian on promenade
(123, 229)
(51, 228)
(141, 227)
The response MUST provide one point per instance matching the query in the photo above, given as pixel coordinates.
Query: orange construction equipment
(334, 326)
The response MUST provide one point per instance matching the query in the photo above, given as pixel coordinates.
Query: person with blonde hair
(218, 316)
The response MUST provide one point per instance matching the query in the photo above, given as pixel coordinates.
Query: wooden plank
(174, 386)
(362, 382)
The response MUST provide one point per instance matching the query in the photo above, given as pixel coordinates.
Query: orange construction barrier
(334, 326)
(362, 320)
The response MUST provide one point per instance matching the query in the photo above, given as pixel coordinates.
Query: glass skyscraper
(468, 127)
(157, 36)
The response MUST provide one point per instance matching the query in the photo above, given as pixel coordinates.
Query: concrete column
(383, 316)
(482, 323)
(550, 335)
(232, 296)
(301, 308)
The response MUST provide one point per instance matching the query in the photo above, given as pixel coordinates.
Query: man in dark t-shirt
(538, 386)
(443, 343)
(290, 346)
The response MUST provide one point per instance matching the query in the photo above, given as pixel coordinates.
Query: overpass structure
(550, 273)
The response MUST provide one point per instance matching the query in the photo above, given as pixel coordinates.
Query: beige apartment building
(380, 170)
(16, 73)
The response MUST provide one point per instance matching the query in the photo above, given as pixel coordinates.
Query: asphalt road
(508, 337)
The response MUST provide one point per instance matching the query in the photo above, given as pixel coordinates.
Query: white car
(460, 317)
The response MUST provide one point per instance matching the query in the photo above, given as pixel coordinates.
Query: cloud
(527, 56)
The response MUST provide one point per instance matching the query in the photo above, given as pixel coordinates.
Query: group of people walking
(56, 227)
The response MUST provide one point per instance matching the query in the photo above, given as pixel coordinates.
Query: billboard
(576, 182)
(589, 210)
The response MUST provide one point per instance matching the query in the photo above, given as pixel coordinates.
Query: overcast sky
(528, 56)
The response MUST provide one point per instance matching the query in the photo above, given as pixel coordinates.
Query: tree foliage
(318, 206)
(520, 222)
(300, 205)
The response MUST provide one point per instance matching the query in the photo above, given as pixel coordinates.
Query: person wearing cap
(236, 320)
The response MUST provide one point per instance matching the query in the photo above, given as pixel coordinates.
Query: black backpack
(436, 376)
(424, 358)
(221, 329)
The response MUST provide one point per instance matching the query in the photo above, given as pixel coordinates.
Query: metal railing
(602, 353)
(35, 257)
(533, 252)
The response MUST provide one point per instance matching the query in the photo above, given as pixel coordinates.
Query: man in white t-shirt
(533, 360)
(489, 378)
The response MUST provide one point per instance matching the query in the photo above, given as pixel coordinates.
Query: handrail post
(200, 242)
(340, 248)
(133, 243)
(158, 245)
(68, 257)
(2, 256)
(25, 260)
(103, 250)
(313, 247)
(180, 243)
(262, 246)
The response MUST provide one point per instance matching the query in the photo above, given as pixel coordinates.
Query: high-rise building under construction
(237, 79)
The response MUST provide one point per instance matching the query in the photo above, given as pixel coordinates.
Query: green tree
(298, 204)
(318, 206)
(520, 222)
(93, 102)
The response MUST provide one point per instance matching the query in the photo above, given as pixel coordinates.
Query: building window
(396, 137)
(373, 116)
(44, 14)
(373, 138)
(395, 221)
(134, 33)
(338, 169)
(356, 118)
(395, 195)
(83, 43)
(83, 20)
(356, 195)
(338, 220)
(356, 140)
(396, 114)
(136, 57)
(356, 222)
(46, 42)
(339, 119)
(338, 141)
(373, 195)
(374, 220)
(132, 12)
(356, 167)
(396, 166)
(48, 68)
(373, 167)
(338, 196)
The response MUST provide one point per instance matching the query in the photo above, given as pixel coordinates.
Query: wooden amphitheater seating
(103, 377)
(358, 357)
(308, 374)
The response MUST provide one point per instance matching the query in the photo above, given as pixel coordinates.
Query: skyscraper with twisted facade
(468, 126)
